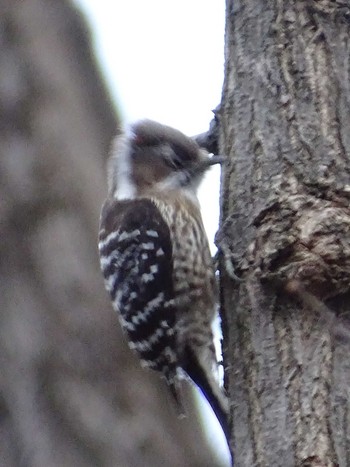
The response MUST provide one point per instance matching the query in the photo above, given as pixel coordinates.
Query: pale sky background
(164, 60)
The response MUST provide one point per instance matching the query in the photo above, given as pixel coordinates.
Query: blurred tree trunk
(71, 393)
(285, 232)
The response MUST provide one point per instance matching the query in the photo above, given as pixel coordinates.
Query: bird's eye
(175, 163)
(173, 160)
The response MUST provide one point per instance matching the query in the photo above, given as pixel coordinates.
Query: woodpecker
(155, 256)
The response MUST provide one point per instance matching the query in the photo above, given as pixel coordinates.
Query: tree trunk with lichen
(71, 392)
(285, 231)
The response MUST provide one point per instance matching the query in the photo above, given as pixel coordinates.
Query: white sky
(164, 60)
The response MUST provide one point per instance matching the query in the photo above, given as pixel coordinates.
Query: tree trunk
(71, 393)
(285, 234)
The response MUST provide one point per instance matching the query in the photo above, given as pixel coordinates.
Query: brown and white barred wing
(136, 260)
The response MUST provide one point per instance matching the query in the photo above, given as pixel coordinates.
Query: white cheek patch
(120, 171)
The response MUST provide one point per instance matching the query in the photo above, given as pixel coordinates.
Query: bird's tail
(173, 381)
(197, 369)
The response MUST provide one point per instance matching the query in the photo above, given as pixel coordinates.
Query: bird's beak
(216, 160)
(206, 163)
(202, 166)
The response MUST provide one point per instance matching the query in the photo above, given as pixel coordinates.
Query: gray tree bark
(284, 123)
(71, 392)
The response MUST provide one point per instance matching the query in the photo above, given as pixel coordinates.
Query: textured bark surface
(71, 393)
(285, 232)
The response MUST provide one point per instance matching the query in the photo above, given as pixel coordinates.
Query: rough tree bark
(71, 393)
(284, 122)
